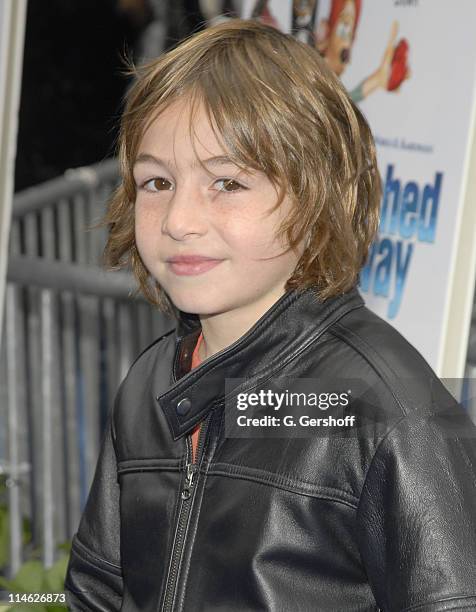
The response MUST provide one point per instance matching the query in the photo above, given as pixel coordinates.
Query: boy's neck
(223, 329)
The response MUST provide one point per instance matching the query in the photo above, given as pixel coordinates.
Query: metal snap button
(183, 406)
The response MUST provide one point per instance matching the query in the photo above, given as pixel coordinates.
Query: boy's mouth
(189, 265)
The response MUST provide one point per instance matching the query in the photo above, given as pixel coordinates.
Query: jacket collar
(296, 320)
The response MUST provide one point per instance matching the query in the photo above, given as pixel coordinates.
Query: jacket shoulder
(391, 359)
(151, 349)
(144, 366)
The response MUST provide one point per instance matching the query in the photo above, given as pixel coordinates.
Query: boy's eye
(163, 184)
(158, 184)
(228, 185)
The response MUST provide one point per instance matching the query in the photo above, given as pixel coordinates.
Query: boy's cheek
(146, 241)
(145, 210)
(147, 225)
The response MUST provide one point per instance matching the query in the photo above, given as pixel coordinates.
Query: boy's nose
(185, 213)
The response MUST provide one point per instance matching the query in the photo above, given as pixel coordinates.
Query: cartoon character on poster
(262, 12)
(272, 13)
(304, 13)
(296, 16)
(335, 37)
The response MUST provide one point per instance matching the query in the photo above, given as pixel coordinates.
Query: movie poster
(410, 66)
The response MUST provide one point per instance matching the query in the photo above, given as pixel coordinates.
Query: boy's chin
(202, 305)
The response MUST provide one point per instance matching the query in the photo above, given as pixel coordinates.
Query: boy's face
(219, 212)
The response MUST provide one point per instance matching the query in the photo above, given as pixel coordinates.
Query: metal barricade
(71, 331)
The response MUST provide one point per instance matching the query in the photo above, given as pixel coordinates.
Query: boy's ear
(322, 36)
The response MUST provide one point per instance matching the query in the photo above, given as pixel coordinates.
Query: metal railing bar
(32, 246)
(73, 181)
(68, 380)
(89, 326)
(64, 276)
(80, 224)
(47, 363)
(64, 237)
(13, 426)
(108, 328)
(124, 333)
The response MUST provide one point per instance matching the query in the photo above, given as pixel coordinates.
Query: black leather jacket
(376, 519)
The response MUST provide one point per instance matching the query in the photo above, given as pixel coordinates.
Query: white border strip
(12, 35)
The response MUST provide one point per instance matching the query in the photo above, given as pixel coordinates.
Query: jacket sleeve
(417, 515)
(94, 577)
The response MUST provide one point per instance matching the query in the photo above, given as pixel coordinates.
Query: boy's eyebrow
(217, 160)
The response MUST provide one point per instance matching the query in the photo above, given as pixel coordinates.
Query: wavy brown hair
(276, 107)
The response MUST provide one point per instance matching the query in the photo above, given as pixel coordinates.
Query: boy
(250, 196)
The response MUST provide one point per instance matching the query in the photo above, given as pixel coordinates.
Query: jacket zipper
(186, 505)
